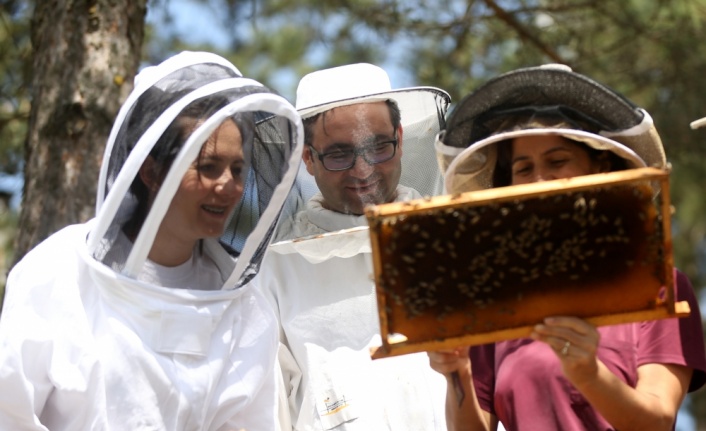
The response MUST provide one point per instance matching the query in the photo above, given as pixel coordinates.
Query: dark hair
(502, 174)
(395, 119)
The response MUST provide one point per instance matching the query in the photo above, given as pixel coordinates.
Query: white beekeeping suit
(97, 331)
(321, 285)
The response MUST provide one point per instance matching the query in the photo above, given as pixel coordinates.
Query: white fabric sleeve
(24, 381)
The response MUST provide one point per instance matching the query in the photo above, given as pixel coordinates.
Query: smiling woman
(142, 317)
(213, 185)
(209, 191)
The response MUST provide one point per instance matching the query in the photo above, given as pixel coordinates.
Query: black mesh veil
(173, 110)
(544, 91)
(549, 99)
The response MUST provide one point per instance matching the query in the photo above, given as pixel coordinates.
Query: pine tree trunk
(85, 56)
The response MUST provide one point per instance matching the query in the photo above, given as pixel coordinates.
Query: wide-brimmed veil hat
(422, 109)
(583, 109)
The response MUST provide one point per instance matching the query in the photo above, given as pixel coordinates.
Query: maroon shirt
(520, 381)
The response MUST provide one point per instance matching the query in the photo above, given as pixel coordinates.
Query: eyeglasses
(343, 159)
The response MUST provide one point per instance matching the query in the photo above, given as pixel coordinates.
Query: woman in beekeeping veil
(144, 318)
(541, 124)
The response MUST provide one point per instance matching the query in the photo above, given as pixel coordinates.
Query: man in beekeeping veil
(365, 144)
(145, 317)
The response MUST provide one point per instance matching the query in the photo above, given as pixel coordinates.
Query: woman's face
(209, 190)
(551, 157)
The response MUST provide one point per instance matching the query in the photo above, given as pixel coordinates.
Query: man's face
(348, 128)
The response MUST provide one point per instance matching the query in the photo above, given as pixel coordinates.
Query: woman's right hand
(450, 361)
(462, 409)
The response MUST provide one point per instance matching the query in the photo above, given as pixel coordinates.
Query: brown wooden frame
(632, 293)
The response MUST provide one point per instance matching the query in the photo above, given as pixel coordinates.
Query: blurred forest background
(67, 65)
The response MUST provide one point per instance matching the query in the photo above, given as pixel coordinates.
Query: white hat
(588, 112)
(326, 89)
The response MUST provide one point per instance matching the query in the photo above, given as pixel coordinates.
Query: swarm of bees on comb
(451, 266)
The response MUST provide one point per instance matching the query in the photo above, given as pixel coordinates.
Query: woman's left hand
(575, 342)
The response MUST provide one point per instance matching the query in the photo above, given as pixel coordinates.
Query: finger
(442, 358)
(554, 343)
(574, 323)
(449, 358)
(462, 352)
(588, 336)
(564, 347)
(579, 343)
(447, 362)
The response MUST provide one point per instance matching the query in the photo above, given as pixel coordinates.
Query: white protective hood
(274, 154)
(87, 343)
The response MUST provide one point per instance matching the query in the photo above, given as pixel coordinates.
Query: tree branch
(523, 32)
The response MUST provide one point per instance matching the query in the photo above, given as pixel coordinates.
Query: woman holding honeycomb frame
(540, 124)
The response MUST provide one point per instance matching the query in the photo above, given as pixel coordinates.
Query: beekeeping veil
(209, 89)
(581, 110)
(422, 116)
